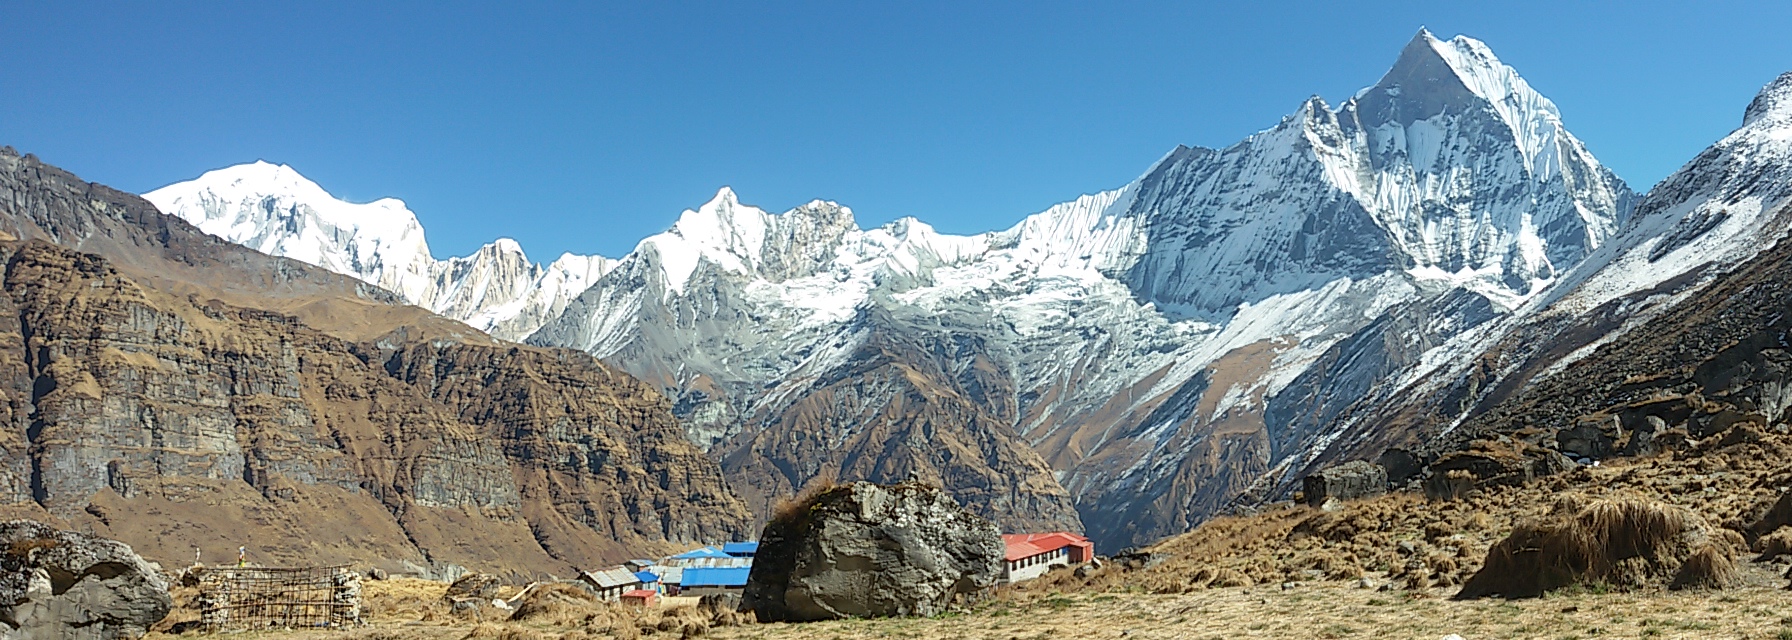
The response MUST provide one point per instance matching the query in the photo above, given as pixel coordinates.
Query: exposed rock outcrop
(62, 584)
(148, 403)
(901, 414)
(1348, 481)
(863, 550)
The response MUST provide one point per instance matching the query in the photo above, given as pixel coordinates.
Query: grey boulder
(62, 584)
(1348, 481)
(863, 550)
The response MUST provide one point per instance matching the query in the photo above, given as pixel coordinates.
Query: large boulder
(62, 584)
(1496, 462)
(1348, 481)
(863, 550)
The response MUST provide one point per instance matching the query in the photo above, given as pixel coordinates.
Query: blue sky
(586, 126)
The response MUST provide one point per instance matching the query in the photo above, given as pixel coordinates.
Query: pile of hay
(1618, 543)
(559, 604)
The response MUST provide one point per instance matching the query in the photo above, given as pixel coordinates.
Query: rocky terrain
(148, 402)
(1389, 566)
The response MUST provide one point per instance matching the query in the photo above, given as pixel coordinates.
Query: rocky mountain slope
(1131, 361)
(146, 400)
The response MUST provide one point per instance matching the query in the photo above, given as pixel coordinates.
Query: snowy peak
(273, 209)
(748, 240)
(264, 181)
(1421, 85)
(1435, 77)
(1450, 168)
(1773, 103)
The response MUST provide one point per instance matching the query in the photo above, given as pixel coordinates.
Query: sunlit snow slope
(273, 209)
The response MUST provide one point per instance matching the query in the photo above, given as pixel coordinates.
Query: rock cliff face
(903, 414)
(173, 420)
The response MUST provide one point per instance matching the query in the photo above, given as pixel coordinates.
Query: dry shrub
(1707, 568)
(1774, 517)
(1774, 545)
(719, 619)
(403, 599)
(789, 509)
(490, 631)
(1225, 578)
(682, 621)
(1622, 543)
(558, 604)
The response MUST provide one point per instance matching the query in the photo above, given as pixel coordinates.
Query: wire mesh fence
(249, 598)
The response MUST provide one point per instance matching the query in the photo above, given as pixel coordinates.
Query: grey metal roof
(611, 577)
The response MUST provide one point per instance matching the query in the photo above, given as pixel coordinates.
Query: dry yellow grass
(1316, 610)
(1301, 565)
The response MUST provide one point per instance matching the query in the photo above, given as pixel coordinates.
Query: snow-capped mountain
(1145, 354)
(1714, 216)
(273, 209)
(1450, 168)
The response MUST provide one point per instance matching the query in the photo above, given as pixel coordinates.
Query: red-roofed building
(1030, 555)
(640, 597)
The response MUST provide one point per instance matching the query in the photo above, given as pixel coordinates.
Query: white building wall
(1035, 566)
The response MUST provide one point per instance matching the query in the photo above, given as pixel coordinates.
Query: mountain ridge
(1139, 338)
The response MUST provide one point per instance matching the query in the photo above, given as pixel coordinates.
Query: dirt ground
(1316, 610)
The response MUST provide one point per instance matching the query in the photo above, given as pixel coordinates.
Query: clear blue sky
(586, 126)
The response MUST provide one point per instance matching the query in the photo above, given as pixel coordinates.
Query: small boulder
(476, 586)
(1704, 425)
(1642, 439)
(864, 550)
(1134, 559)
(1594, 439)
(1454, 484)
(1348, 481)
(376, 573)
(1401, 465)
(63, 584)
(720, 602)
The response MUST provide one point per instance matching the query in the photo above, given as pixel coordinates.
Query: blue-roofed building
(702, 581)
(702, 552)
(741, 549)
(649, 580)
(707, 557)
